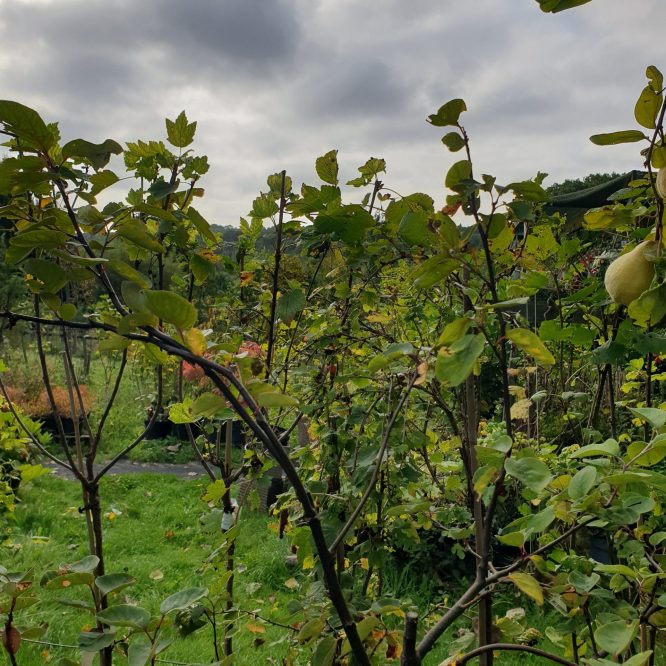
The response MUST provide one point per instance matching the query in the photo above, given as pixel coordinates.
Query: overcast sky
(275, 83)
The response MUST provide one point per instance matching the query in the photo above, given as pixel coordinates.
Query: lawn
(157, 535)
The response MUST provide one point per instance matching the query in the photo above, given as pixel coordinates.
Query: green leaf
(528, 190)
(483, 477)
(98, 154)
(458, 173)
(615, 637)
(85, 565)
(124, 615)
(26, 124)
(324, 653)
(139, 651)
(647, 107)
(68, 580)
(289, 305)
(215, 491)
(209, 405)
(201, 225)
(172, 308)
(371, 169)
(180, 412)
(582, 482)
(654, 454)
(455, 363)
(531, 472)
(161, 189)
(415, 229)
(448, 114)
(50, 274)
(129, 273)
(659, 156)
(655, 417)
(101, 180)
(183, 599)
(40, 238)
(311, 629)
(453, 331)
(639, 659)
(136, 232)
(155, 212)
(131, 322)
(201, 269)
(555, 6)
(514, 539)
(613, 138)
(650, 307)
(616, 569)
(531, 344)
(180, 133)
(92, 641)
(433, 270)
(112, 342)
(529, 585)
(348, 224)
(583, 583)
(327, 167)
(113, 582)
(268, 399)
(453, 141)
(656, 77)
(264, 206)
(274, 182)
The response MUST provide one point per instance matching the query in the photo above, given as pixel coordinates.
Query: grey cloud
(353, 88)
(274, 83)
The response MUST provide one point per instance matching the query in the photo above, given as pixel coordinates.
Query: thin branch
(513, 647)
(110, 402)
(375, 472)
(276, 275)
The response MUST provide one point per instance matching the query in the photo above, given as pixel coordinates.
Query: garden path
(183, 470)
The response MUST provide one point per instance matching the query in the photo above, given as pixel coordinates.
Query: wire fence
(76, 647)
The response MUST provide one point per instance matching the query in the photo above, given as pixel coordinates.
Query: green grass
(159, 529)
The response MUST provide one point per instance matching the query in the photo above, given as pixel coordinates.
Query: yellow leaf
(291, 583)
(256, 628)
(378, 318)
(195, 340)
(561, 482)
(520, 411)
(531, 344)
(517, 391)
(529, 585)
(308, 562)
(422, 371)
